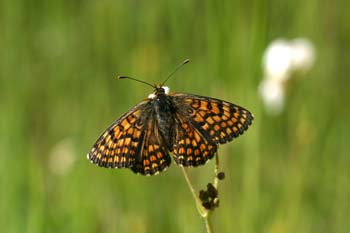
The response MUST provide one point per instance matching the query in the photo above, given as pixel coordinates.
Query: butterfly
(190, 126)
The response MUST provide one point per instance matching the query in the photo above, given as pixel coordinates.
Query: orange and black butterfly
(190, 126)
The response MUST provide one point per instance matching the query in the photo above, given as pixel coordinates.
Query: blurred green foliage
(58, 63)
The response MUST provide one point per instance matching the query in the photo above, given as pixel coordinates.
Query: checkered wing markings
(220, 120)
(191, 147)
(119, 145)
(154, 157)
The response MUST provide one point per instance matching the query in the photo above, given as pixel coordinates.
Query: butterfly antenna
(176, 69)
(140, 81)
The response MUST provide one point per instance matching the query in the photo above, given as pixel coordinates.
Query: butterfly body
(190, 126)
(165, 111)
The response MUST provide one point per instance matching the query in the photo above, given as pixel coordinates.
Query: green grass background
(58, 62)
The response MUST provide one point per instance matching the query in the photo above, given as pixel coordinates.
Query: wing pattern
(118, 146)
(154, 155)
(191, 147)
(132, 142)
(214, 119)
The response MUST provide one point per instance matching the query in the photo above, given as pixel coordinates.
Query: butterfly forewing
(120, 144)
(216, 119)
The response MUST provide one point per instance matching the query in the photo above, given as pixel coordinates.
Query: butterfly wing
(132, 141)
(154, 155)
(191, 147)
(120, 144)
(215, 120)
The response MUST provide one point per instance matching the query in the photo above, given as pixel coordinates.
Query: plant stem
(203, 212)
(216, 171)
(208, 225)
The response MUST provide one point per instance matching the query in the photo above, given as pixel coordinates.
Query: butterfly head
(159, 90)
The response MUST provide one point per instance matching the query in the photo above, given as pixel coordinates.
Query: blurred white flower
(277, 60)
(272, 93)
(281, 59)
(62, 157)
(303, 54)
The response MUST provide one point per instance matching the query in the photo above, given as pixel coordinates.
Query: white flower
(303, 54)
(281, 59)
(272, 93)
(277, 60)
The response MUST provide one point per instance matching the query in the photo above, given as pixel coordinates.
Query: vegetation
(58, 91)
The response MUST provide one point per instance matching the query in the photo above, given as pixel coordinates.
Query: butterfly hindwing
(191, 148)
(154, 156)
(218, 120)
